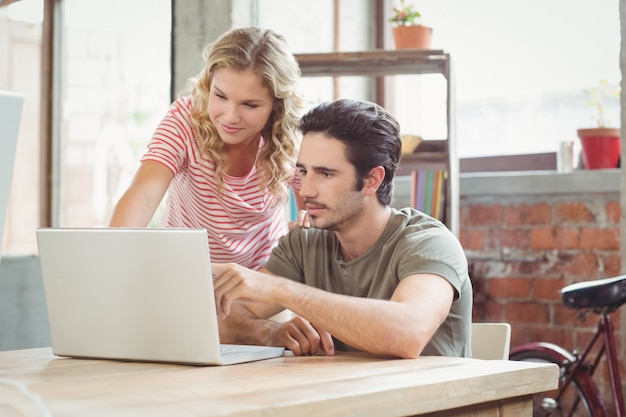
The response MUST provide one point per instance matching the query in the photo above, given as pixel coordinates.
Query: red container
(601, 147)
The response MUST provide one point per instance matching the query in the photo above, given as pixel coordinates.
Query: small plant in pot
(601, 145)
(408, 32)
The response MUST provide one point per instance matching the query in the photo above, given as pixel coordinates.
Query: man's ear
(373, 180)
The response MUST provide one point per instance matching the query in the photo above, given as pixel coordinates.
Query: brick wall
(523, 248)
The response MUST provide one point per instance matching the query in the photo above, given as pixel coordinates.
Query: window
(522, 71)
(115, 89)
(522, 68)
(115, 83)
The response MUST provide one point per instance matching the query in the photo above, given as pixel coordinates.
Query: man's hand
(232, 281)
(302, 338)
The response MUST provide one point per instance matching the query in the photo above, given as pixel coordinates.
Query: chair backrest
(491, 340)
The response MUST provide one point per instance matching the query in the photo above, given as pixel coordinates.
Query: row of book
(428, 191)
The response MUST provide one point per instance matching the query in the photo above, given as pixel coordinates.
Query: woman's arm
(140, 201)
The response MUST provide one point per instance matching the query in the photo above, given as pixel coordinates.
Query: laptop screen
(10, 116)
(143, 294)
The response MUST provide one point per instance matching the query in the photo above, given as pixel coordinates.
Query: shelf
(430, 154)
(374, 63)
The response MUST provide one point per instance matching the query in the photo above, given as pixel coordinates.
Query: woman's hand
(302, 220)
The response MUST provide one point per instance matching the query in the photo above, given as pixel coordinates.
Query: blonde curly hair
(265, 53)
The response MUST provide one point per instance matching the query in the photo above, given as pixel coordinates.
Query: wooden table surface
(34, 382)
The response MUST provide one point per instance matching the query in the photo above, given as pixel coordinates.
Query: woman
(226, 153)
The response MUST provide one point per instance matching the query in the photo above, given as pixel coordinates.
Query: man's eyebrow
(317, 168)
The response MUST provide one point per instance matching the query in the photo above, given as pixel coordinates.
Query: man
(363, 276)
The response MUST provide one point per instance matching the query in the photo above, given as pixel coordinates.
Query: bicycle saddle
(602, 293)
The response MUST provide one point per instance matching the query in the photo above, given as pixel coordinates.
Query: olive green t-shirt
(412, 243)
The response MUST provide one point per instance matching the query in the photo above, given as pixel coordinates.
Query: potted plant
(408, 32)
(601, 145)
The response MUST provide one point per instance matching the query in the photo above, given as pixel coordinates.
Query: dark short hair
(370, 134)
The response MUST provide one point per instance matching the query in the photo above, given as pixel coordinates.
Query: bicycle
(578, 393)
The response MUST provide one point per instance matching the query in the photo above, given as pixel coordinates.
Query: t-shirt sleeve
(171, 139)
(436, 252)
(284, 260)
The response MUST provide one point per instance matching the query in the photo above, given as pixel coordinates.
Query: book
(428, 192)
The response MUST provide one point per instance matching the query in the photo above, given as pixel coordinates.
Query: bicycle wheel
(575, 399)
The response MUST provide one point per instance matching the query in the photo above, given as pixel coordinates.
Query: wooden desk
(343, 385)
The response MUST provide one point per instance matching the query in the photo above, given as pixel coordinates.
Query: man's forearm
(381, 327)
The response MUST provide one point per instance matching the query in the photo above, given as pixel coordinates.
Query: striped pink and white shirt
(243, 222)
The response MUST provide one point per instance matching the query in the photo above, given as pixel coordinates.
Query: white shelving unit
(430, 154)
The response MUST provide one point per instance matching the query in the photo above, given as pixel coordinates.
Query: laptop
(10, 116)
(136, 295)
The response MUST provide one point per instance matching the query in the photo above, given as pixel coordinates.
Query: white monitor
(10, 116)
